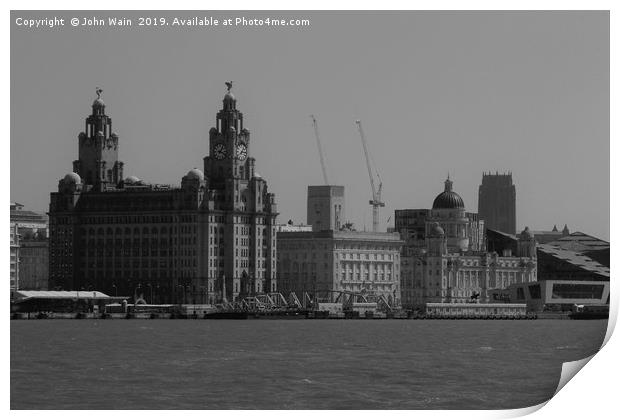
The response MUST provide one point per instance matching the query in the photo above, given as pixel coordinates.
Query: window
(577, 291)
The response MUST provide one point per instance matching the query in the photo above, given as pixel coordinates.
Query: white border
(590, 394)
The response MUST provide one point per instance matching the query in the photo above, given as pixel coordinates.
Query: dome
(229, 97)
(132, 179)
(448, 199)
(526, 235)
(436, 230)
(196, 174)
(72, 178)
(257, 175)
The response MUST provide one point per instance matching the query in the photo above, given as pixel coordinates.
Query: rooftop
(579, 241)
(574, 258)
(54, 294)
(342, 235)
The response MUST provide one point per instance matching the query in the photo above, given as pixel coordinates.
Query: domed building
(212, 239)
(445, 259)
(449, 212)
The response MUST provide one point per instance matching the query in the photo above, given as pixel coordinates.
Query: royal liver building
(211, 239)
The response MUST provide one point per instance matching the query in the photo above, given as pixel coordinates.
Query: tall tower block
(497, 202)
(325, 207)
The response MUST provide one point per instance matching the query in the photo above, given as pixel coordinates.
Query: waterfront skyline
(455, 92)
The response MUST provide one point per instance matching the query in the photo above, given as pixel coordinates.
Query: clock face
(219, 151)
(242, 151)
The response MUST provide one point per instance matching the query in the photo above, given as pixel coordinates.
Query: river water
(292, 364)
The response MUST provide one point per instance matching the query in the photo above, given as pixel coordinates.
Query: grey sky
(438, 92)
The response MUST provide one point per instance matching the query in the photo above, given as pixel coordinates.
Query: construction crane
(318, 143)
(376, 192)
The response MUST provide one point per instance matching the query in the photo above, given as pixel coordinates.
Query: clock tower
(98, 164)
(229, 145)
(240, 210)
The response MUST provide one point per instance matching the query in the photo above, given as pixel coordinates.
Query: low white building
(365, 262)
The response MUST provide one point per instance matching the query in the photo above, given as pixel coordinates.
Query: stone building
(445, 267)
(364, 262)
(497, 202)
(32, 263)
(28, 220)
(210, 239)
(412, 226)
(332, 257)
(14, 258)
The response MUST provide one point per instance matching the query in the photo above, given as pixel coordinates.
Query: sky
(437, 92)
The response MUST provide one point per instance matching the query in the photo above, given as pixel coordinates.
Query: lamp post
(151, 289)
(115, 290)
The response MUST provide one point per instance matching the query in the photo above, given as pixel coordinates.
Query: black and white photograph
(307, 209)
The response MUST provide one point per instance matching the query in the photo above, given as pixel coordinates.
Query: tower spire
(98, 163)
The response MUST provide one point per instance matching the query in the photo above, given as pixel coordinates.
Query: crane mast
(318, 143)
(376, 192)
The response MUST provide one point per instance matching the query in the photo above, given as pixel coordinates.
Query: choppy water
(292, 364)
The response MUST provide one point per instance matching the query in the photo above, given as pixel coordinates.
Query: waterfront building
(553, 261)
(558, 294)
(28, 220)
(562, 264)
(411, 224)
(29, 301)
(564, 277)
(446, 260)
(497, 202)
(32, 263)
(338, 258)
(14, 258)
(362, 262)
(211, 239)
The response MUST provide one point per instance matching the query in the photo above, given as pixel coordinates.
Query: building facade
(558, 294)
(497, 202)
(362, 262)
(444, 267)
(334, 257)
(32, 263)
(211, 239)
(412, 226)
(14, 258)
